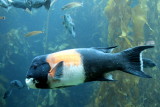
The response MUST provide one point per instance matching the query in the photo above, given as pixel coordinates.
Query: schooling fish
(15, 84)
(72, 5)
(76, 66)
(33, 33)
(69, 25)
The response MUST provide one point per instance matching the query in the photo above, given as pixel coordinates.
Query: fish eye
(34, 66)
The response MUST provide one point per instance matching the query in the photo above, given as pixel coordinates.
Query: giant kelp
(118, 15)
(51, 98)
(127, 27)
(126, 24)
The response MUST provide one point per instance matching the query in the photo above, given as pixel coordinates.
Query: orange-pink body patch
(69, 57)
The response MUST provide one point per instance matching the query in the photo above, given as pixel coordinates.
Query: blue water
(17, 52)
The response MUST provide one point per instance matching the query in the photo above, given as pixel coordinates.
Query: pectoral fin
(56, 72)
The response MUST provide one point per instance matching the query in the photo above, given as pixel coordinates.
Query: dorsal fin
(105, 50)
(56, 71)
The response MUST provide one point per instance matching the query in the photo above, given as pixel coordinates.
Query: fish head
(37, 74)
(67, 17)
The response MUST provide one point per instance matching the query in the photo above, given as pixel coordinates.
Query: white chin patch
(30, 83)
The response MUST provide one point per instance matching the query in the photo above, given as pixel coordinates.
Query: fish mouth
(31, 82)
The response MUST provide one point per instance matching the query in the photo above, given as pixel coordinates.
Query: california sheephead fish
(76, 66)
(15, 84)
(72, 5)
(69, 25)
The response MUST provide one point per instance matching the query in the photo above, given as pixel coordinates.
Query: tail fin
(134, 60)
(147, 63)
(47, 4)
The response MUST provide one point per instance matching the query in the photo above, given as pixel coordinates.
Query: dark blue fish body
(15, 84)
(69, 25)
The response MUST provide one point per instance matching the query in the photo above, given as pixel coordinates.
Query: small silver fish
(72, 5)
(33, 33)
